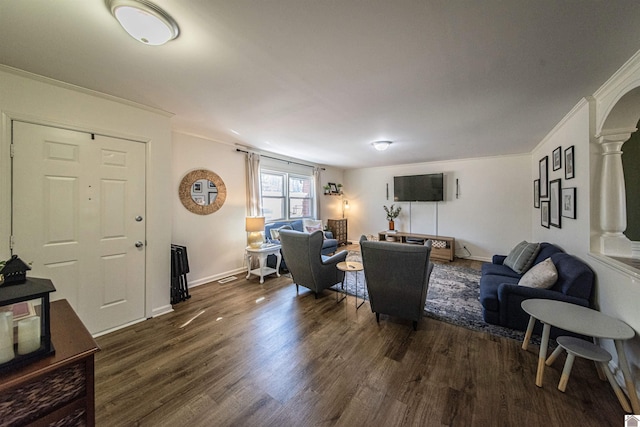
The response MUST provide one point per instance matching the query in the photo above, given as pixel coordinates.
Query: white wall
(331, 205)
(39, 100)
(573, 236)
(215, 243)
(491, 214)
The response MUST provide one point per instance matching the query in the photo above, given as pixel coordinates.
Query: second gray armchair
(307, 265)
(397, 277)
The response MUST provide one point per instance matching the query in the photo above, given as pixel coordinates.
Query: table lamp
(254, 226)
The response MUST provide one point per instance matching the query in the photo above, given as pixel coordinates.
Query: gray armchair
(307, 265)
(397, 277)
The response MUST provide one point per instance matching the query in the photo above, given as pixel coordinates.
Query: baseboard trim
(108, 331)
(161, 310)
(475, 258)
(216, 277)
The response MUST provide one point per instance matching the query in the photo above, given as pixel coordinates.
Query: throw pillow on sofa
(275, 232)
(521, 258)
(542, 276)
(311, 225)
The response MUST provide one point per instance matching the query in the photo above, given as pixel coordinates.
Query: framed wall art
(554, 203)
(568, 163)
(557, 158)
(536, 193)
(544, 177)
(569, 202)
(544, 213)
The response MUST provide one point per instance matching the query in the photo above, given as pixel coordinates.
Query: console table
(338, 228)
(442, 248)
(58, 389)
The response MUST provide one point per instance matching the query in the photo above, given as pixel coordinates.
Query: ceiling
(319, 80)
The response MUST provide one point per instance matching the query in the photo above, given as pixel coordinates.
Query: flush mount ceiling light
(381, 145)
(144, 21)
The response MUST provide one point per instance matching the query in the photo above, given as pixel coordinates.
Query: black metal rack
(179, 270)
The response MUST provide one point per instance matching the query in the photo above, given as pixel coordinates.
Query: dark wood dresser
(57, 390)
(339, 229)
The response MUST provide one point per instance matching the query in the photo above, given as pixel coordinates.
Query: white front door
(78, 215)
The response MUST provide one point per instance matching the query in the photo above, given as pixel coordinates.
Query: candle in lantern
(29, 335)
(6, 336)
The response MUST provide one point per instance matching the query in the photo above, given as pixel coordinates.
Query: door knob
(139, 244)
(138, 218)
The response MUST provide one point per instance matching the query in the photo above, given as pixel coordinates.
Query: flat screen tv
(418, 188)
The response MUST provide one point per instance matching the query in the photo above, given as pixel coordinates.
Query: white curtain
(253, 185)
(317, 190)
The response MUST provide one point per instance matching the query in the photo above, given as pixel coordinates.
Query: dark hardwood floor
(260, 355)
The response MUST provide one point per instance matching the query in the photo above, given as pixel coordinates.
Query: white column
(613, 202)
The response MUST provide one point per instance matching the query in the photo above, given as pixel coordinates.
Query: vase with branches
(392, 213)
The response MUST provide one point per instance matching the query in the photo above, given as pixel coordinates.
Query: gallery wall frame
(569, 163)
(554, 203)
(544, 213)
(536, 193)
(544, 177)
(569, 202)
(557, 158)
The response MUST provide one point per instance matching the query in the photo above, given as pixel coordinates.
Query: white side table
(262, 253)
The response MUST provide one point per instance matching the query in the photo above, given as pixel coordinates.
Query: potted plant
(392, 213)
(327, 189)
(339, 188)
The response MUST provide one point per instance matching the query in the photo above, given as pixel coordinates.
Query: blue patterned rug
(453, 297)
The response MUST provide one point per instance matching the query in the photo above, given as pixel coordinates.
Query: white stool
(590, 351)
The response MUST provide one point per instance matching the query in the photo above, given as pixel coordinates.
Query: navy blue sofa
(329, 244)
(501, 296)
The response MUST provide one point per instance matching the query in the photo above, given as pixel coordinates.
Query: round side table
(354, 267)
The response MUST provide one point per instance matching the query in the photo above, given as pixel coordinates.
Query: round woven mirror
(202, 192)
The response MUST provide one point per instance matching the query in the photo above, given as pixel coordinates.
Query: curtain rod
(275, 158)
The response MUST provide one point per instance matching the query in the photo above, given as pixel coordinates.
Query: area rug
(453, 297)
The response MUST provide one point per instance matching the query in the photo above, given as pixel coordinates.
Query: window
(300, 197)
(286, 195)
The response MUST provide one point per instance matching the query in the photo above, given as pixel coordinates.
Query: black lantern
(14, 271)
(25, 332)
